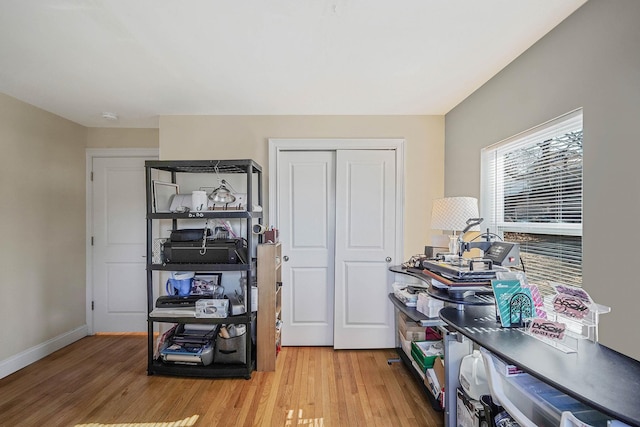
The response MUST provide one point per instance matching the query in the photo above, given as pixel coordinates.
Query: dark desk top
(596, 375)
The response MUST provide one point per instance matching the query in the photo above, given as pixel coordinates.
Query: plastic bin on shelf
(533, 403)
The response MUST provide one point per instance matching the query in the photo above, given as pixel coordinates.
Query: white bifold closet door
(337, 220)
(365, 245)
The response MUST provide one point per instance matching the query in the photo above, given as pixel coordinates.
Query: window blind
(532, 194)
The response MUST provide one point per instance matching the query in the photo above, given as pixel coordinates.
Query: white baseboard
(33, 354)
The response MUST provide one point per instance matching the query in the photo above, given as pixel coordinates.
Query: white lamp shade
(452, 213)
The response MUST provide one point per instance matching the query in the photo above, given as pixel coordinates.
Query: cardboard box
(470, 413)
(434, 380)
(404, 319)
(410, 330)
(438, 367)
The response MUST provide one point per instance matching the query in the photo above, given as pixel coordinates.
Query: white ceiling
(145, 58)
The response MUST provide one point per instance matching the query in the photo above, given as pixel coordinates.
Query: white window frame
(492, 198)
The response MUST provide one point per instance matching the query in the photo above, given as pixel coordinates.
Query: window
(532, 194)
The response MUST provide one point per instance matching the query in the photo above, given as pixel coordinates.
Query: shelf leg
(455, 348)
(393, 360)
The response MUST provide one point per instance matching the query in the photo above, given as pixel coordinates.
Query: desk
(422, 320)
(455, 346)
(442, 294)
(595, 375)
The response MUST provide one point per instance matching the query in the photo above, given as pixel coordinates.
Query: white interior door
(119, 245)
(306, 187)
(366, 226)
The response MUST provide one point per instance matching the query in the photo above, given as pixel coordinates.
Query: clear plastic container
(532, 402)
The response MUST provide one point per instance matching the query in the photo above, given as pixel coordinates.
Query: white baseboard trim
(33, 354)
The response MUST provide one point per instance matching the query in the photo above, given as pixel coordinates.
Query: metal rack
(252, 171)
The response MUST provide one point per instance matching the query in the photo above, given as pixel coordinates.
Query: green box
(426, 352)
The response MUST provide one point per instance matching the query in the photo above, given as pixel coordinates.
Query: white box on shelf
(433, 383)
(428, 306)
(215, 308)
(254, 298)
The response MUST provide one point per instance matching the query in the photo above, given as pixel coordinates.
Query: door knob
(388, 259)
(285, 258)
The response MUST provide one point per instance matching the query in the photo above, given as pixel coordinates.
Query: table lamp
(451, 214)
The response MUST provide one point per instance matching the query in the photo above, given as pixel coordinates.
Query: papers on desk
(400, 291)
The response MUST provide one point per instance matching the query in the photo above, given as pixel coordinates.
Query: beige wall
(122, 138)
(240, 137)
(42, 168)
(590, 60)
(42, 188)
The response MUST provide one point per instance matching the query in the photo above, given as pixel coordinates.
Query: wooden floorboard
(101, 381)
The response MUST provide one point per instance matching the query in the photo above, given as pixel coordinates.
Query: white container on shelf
(428, 306)
(473, 377)
(198, 200)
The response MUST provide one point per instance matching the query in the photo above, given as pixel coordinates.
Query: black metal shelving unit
(252, 171)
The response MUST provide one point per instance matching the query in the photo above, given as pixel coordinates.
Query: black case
(218, 251)
(188, 234)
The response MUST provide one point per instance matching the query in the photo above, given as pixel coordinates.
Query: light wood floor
(102, 381)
